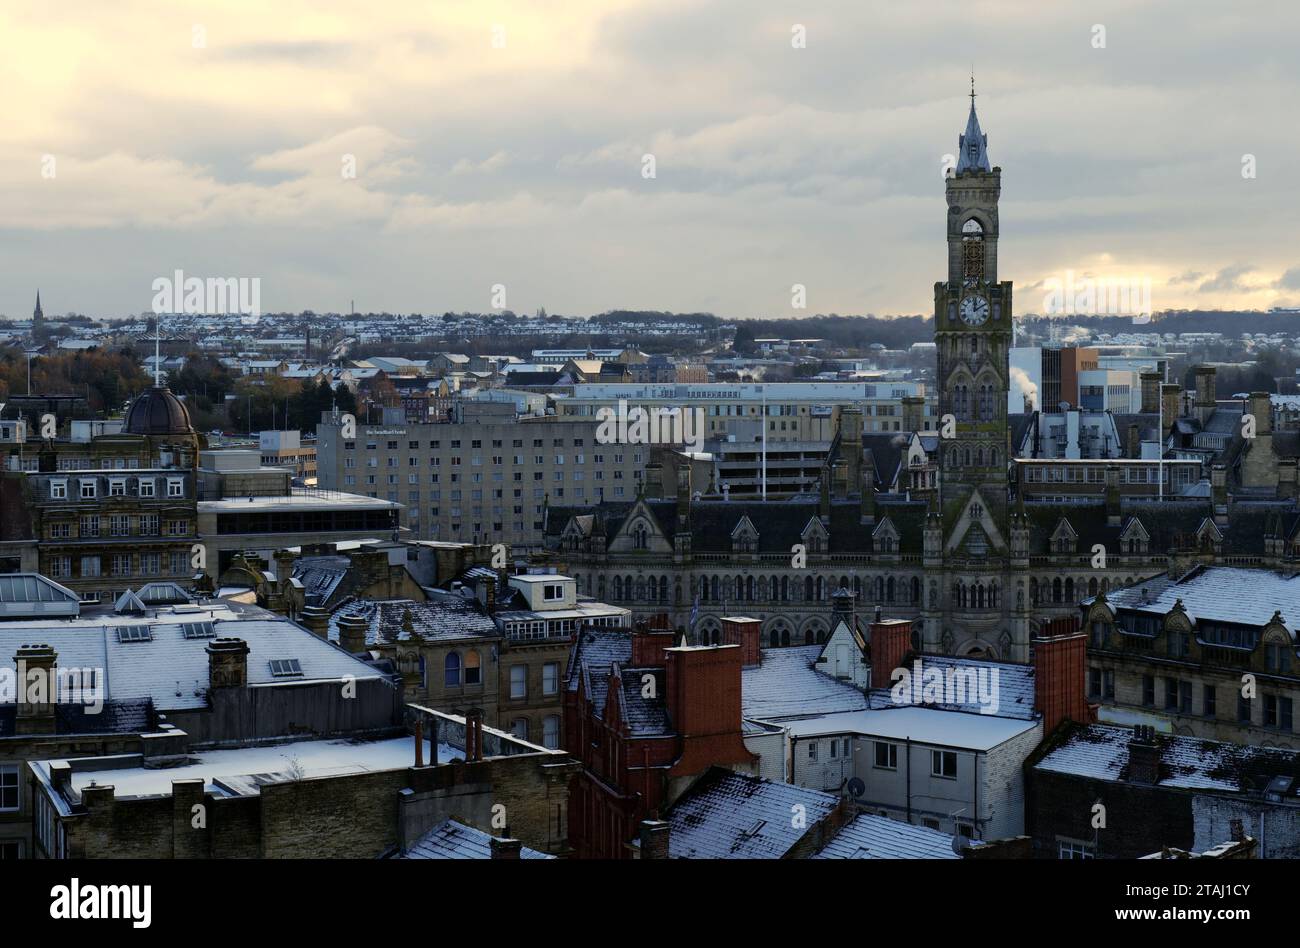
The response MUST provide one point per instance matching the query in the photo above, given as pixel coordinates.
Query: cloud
(522, 164)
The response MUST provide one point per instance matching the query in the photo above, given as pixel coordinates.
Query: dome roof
(157, 412)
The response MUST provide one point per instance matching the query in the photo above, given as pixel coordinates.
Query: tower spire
(157, 360)
(973, 145)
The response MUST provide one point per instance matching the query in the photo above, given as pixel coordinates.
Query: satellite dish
(960, 842)
(856, 787)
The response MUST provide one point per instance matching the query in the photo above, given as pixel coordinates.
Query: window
(519, 681)
(1210, 701)
(1277, 712)
(519, 728)
(134, 633)
(551, 732)
(1148, 690)
(473, 669)
(1243, 709)
(8, 788)
(87, 490)
(812, 750)
(550, 678)
(943, 763)
(198, 630)
(59, 490)
(117, 487)
(89, 566)
(1072, 849)
(886, 755)
(451, 670)
(285, 668)
(553, 593)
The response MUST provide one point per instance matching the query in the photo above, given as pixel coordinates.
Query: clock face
(974, 310)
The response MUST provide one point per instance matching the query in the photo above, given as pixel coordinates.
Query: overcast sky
(212, 138)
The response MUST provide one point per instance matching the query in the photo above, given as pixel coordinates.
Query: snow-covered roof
(787, 684)
(1015, 683)
(1101, 752)
(726, 815)
(170, 668)
(241, 771)
(869, 836)
(977, 732)
(1217, 594)
(454, 840)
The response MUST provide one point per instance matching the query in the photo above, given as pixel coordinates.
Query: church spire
(37, 315)
(973, 145)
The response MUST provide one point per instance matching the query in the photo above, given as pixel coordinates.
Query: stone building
(977, 563)
(1173, 651)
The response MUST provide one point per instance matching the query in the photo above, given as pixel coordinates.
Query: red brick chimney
(891, 640)
(704, 706)
(648, 646)
(747, 633)
(654, 839)
(1060, 669)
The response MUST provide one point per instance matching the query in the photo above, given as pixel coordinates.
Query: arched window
(808, 589)
(663, 588)
(916, 590)
(1069, 589)
(473, 669)
(451, 670)
(785, 588)
(1056, 589)
(618, 587)
(641, 536)
(713, 588)
(889, 589)
(1092, 586)
(774, 638)
(519, 728)
(749, 588)
(785, 636)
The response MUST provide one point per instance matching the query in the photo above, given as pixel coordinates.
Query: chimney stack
(490, 595)
(1205, 394)
(352, 633)
(648, 645)
(654, 839)
(913, 413)
(704, 706)
(227, 663)
(1134, 449)
(891, 640)
(1060, 669)
(317, 620)
(502, 848)
(1144, 755)
(36, 717)
(1150, 392)
(473, 735)
(747, 633)
(1171, 397)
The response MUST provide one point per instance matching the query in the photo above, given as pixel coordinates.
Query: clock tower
(972, 332)
(976, 601)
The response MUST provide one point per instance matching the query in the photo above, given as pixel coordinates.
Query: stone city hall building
(979, 563)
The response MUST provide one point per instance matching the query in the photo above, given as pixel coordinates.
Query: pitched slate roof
(454, 840)
(1217, 593)
(726, 815)
(169, 669)
(595, 658)
(1101, 752)
(787, 684)
(869, 836)
(1015, 684)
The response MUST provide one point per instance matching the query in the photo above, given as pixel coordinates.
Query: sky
(503, 143)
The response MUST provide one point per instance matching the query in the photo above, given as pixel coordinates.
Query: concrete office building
(485, 476)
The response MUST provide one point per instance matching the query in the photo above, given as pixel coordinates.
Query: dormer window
(59, 490)
(88, 490)
(146, 487)
(117, 487)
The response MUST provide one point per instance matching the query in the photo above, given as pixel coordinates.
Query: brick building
(644, 717)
